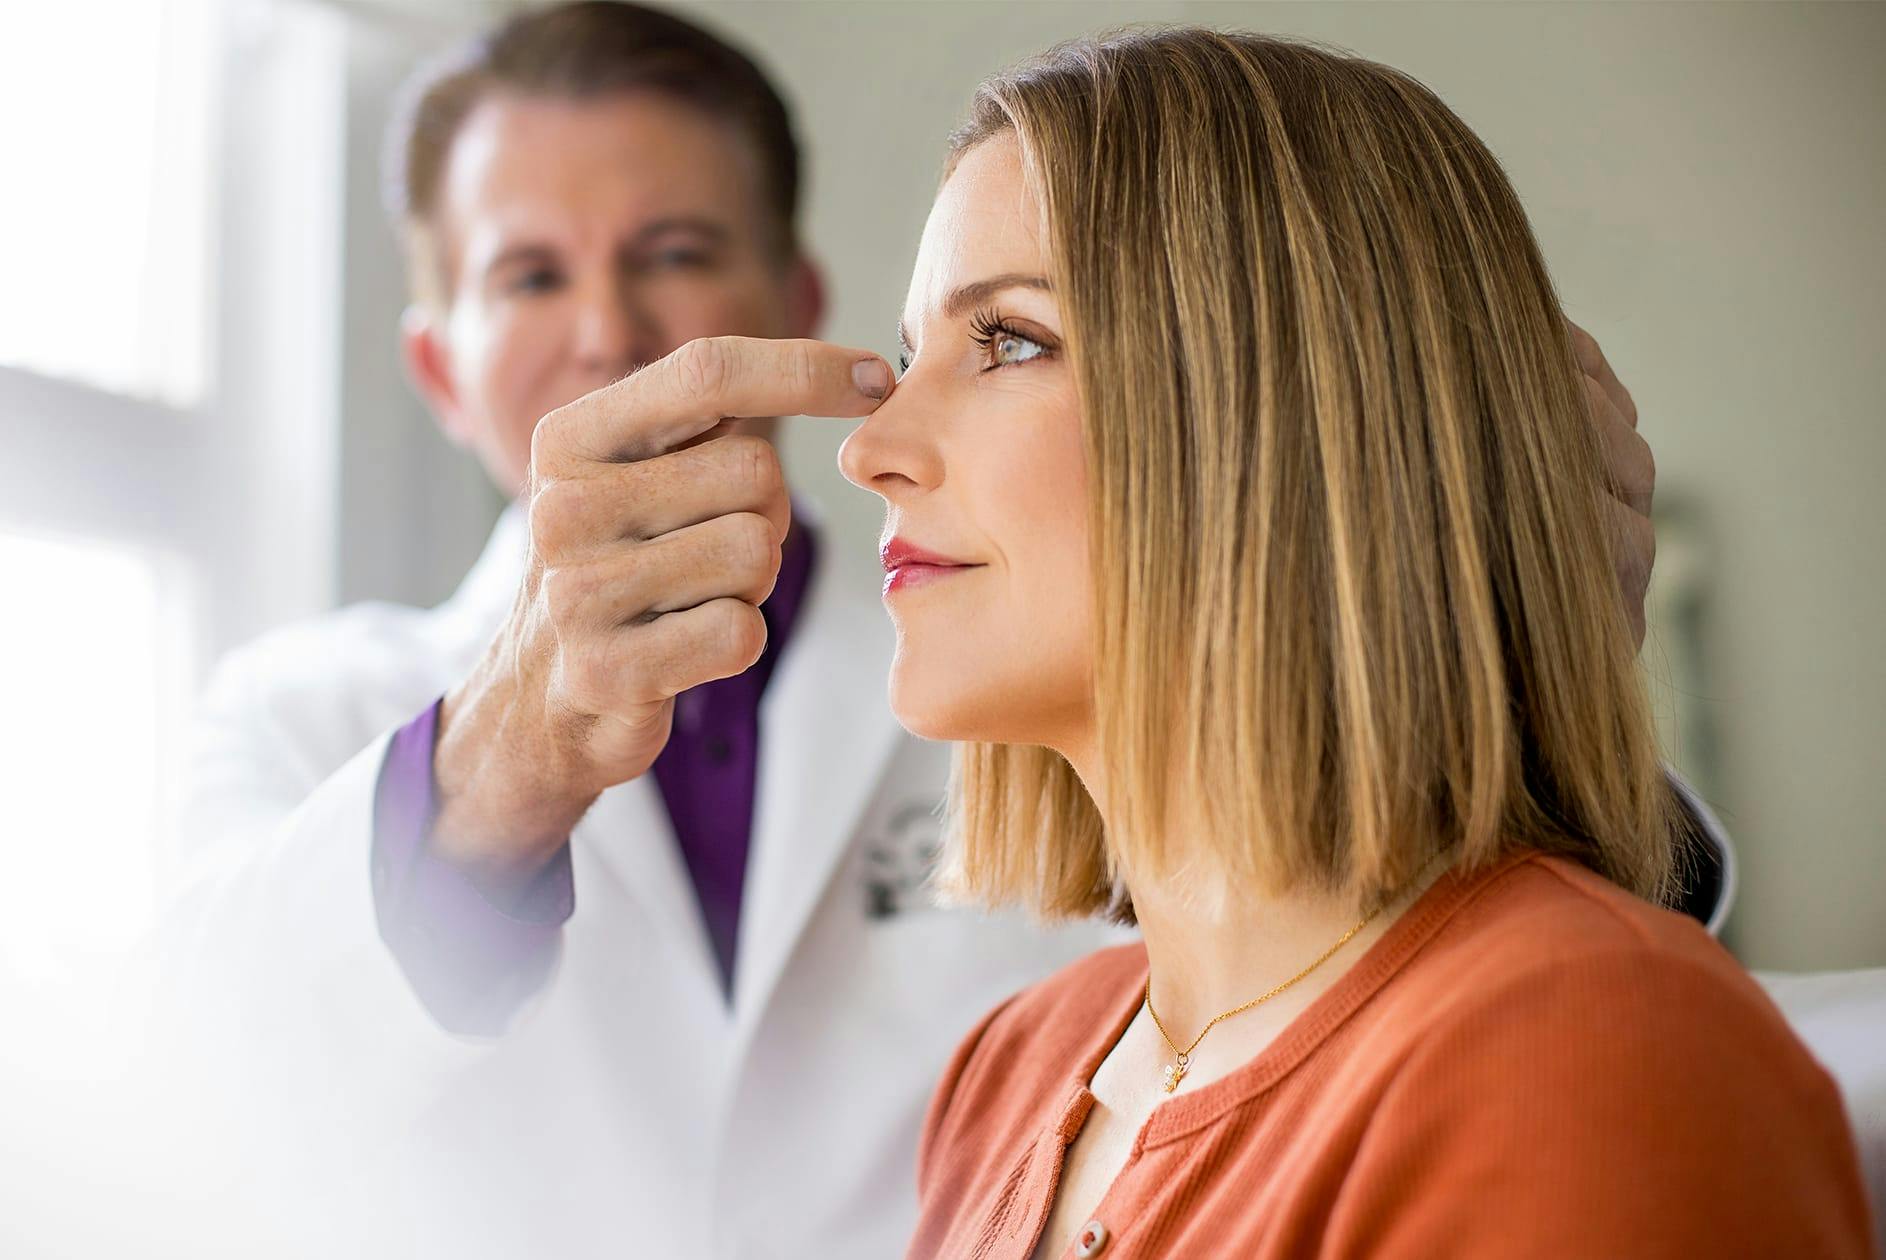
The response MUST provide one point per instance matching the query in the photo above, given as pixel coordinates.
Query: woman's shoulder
(1569, 1046)
(1543, 917)
(1550, 972)
(1550, 951)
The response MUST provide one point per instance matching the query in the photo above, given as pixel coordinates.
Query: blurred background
(205, 430)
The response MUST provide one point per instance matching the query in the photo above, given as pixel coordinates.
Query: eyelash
(986, 328)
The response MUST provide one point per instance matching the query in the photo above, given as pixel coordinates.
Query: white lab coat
(630, 1110)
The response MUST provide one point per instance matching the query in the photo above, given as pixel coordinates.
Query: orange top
(1529, 1062)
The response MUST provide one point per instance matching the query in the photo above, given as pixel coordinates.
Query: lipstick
(907, 565)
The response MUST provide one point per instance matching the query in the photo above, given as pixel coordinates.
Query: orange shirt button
(1092, 1240)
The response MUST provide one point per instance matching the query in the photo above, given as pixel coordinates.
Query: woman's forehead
(984, 222)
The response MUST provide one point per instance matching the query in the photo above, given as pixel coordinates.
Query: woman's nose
(894, 451)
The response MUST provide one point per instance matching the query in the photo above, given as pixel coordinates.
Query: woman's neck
(1211, 953)
(1207, 959)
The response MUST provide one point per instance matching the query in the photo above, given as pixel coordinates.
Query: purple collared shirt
(474, 961)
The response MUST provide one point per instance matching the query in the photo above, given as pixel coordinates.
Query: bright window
(103, 226)
(82, 657)
(167, 418)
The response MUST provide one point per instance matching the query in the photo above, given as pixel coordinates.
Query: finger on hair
(1634, 543)
(1597, 368)
(1630, 468)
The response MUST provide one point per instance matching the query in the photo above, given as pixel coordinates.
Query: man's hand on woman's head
(1630, 470)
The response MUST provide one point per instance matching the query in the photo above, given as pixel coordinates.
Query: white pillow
(1841, 1015)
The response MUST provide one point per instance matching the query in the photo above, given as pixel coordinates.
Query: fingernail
(872, 377)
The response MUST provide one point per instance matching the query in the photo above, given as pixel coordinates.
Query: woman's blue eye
(1007, 348)
(1002, 344)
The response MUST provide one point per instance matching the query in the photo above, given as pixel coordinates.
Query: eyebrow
(717, 232)
(965, 296)
(511, 255)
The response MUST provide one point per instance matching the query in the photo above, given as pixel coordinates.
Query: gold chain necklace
(1176, 1070)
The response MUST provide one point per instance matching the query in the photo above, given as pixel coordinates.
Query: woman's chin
(926, 723)
(966, 701)
(936, 712)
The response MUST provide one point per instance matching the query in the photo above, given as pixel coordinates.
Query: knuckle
(544, 513)
(563, 591)
(702, 367)
(756, 463)
(547, 438)
(553, 593)
(802, 367)
(1597, 401)
(741, 631)
(751, 543)
(1639, 551)
(1630, 457)
(554, 514)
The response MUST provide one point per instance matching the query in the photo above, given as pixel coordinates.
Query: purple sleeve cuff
(473, 960)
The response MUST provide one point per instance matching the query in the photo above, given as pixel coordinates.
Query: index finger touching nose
(688, 392)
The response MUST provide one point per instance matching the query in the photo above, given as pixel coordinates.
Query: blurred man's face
(579, 240)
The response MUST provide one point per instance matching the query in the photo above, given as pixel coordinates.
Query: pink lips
(907, 565)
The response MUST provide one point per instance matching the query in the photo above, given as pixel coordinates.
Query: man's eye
(683, 259)
(903, 364)
(540, 280)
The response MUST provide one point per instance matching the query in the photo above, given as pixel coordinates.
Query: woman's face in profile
(978, 456)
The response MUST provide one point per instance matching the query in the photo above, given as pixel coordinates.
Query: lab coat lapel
(627, 839)
(484, 597)
(826, 730)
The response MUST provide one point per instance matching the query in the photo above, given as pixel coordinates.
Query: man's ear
(805, 297)
(429, 366)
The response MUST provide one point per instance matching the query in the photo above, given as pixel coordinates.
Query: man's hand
(654, 537)
(1630, 472)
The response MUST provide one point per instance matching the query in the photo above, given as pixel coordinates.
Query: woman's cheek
(1056, 490)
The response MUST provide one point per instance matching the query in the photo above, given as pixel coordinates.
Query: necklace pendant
(1175, 1072)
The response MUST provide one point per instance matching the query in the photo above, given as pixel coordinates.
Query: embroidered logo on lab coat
(899, 858)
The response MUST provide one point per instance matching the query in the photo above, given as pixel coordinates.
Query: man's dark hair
(582, 51)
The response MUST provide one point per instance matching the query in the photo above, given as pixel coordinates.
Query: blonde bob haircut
(1354, 591)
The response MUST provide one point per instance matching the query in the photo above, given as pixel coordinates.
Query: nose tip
(850, 460)
(895, 451)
